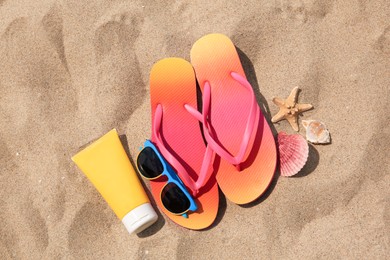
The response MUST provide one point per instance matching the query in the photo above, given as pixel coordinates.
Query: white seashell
(316, 132)
(293, 153)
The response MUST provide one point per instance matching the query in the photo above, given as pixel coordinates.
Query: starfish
(289, 109)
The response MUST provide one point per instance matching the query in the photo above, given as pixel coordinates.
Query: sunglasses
(174, 195)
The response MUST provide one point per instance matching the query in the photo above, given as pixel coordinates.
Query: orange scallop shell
(293, 153)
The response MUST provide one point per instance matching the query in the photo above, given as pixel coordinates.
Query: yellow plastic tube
(107, 166)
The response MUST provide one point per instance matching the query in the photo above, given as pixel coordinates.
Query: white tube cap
(140, 218)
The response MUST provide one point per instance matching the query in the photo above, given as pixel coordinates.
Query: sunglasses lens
(149, 164)
(174, 199)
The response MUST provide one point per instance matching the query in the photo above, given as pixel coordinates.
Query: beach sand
(72, 70)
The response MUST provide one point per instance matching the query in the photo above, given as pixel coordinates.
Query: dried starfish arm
(293, 122)
(304, 107)
(293, 95)
(278, 101)
(279, 116)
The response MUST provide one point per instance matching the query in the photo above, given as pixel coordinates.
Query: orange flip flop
(177, 135)
(233, 123)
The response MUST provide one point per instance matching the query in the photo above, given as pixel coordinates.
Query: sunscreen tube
(107, 166)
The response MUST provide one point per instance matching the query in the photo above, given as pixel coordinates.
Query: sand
(72, 70)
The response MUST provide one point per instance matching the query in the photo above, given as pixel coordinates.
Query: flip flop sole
(214, 57)
(173, 84)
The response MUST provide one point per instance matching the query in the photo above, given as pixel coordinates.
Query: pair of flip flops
(227, 143)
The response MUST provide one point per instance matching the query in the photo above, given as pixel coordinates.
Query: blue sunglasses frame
(172, 178)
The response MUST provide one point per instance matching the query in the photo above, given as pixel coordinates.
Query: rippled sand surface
(72, 70)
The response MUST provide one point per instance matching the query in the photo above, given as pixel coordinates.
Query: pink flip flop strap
(194, 186)
(203, 118)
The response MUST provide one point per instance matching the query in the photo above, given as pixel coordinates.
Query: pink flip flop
(177, 135)
(233, 123)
